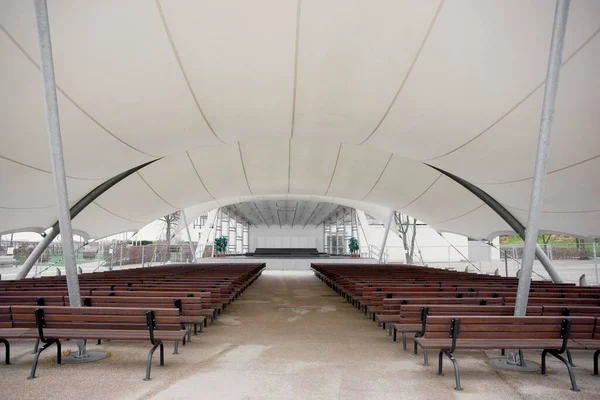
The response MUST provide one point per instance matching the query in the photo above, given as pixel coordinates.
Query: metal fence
(563, 251)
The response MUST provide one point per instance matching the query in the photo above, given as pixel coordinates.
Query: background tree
(170, 221)
(580, 243)
(407, 229)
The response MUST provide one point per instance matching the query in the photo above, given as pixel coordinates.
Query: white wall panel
(286, 237)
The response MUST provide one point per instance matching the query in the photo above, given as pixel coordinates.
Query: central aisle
(291, 337)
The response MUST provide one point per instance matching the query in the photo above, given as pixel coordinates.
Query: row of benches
(121, 305)
(450, 310)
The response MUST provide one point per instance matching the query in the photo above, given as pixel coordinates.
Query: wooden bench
(207, 309)
(415, 316)
(549, 334)
(587, 339)
(189, 307)
(391, 307)
(53, 324)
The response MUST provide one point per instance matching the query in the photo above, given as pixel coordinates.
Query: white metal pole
(595, 262)
(541, 162)
(187, 229)
(385, 235)
(56, 151)
(58, 162)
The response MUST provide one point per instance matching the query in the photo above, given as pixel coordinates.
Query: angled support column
(510, 219)
(385, 235)
(543, 149)
(56, 151)
(187, 230)
(75, 210)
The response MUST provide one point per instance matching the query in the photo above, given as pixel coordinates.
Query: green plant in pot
(220, 246)
(353, 247)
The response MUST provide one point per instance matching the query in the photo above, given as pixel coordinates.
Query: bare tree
(407, 229)
(170, 220)
(546, 239)
(580, 244)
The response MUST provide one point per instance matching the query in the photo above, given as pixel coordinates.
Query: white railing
(375, 251)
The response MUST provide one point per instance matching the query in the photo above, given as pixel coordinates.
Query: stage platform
(288, 263)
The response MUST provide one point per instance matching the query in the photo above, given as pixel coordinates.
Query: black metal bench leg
(570, 358)
(596, 355)
(162, 354)
(454, 364)
(58, 353)
(569, 369)
(176, 348)
(149, 360)
(195, 329)
(456, 371)
(37, 357)
(425, 357)
(403, 340)
(440, 362)
(416, 348)
(544, 352)
(36, 346)
(6, 351)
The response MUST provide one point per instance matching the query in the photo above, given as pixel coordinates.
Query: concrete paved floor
(288, 337)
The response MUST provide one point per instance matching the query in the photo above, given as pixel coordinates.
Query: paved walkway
(291, 337)
(288, 337)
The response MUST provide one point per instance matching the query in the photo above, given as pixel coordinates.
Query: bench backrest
(5, 318)
(571, 310)
(395, 304)
(464, 309)
(581, 301)
(509, 327)
(32, 300)
(204, 297)
(95, 318)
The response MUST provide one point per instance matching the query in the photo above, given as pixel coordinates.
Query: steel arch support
(75, 210)
(510, 219)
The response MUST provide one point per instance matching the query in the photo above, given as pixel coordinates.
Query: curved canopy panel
(343, 100)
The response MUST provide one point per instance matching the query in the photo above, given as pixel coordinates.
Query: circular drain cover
(90, 356)
(502, 363)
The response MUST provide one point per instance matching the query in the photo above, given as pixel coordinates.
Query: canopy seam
(410, 69)
(70, 99)
(507, 113)
(379, 178)
(182, 69)
(334, 169)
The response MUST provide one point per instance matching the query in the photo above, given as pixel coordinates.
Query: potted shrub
(220, 246)
(353, 247)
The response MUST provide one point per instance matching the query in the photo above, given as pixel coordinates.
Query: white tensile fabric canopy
(340, 101)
